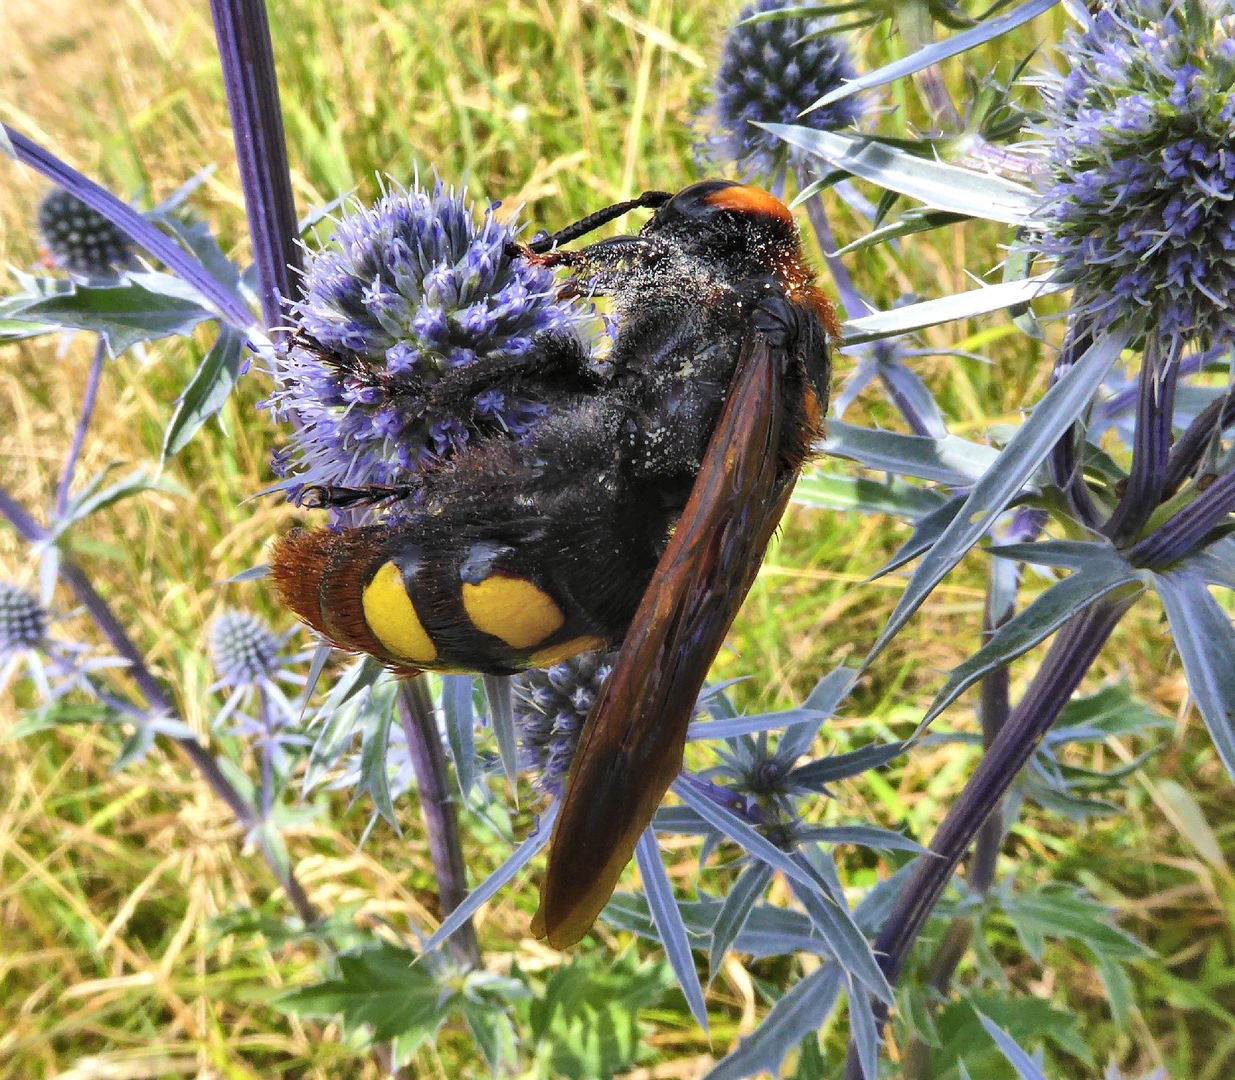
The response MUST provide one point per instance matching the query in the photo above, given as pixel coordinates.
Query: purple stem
(994, 709)
(1188, 451)
(79, 436)
(1071, 654)
(230, 306)
(245, 49)
(917, 423)
(846, 292)
(1119, 403)
(437, 808)
(915, 23)
(159, 703)
(1182, 534)
(1065, 466)
(1151, 449)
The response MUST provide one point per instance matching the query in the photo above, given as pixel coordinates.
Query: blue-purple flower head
(79, 239)
(23, 620)
(770, 71)
(1140, 210)
(551, 706)
(245, 651)
(413, 290)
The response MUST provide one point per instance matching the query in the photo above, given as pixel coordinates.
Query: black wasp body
(645, 495)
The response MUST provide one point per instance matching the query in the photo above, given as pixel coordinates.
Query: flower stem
(1155, 409)
(245, 49)
(1066, 470)
(1071, 655)
(136, 227)
(159, 703)
(1181, 534)
(846, 291)
(994, 708)
(79, 435)
(1190, 448)
(437, 808)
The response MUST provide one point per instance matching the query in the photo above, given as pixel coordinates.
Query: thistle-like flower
(54, 666)
(1140, 207)
(770, 72)
(413, 292)
(79, 239)
(251, 663)
(551, 706)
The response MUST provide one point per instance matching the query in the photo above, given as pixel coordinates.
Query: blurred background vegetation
(112, 955)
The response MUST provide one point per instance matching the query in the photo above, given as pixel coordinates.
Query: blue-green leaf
(936, 51)
(927, 531)
(799, 1013)
(940, 186)
(912, 221)
(502, 720)
(1060, 554)
(207, 391)
(460, 728)
(951, 460)
(123, 314)
(1026, 450)
(848, 944)
(1037, 622)
(95, 497)
(1024, 1065)
(965, 305)
(737, 830)
(893, 497)
(735, 911)
(669, 925)
(1203, 634)
(816, 775)
(487, 889)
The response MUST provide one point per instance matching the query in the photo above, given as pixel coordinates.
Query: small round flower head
(551, 706)
(413, 290)
(768, 73)
(80, 239)
(23, 621)
(1140, 205)
(245, 651)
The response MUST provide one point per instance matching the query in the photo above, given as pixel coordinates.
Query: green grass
(108, 882)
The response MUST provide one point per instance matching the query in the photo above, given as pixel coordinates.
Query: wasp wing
(631, 749)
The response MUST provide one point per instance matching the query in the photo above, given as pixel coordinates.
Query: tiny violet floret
(551, 706)
(244, 650)
(413, 299)
(79, 239)
(1139, 138)
(770, 71)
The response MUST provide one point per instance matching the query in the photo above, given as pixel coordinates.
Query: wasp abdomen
(374, 590)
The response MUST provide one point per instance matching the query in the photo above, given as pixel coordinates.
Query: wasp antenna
(649, 200)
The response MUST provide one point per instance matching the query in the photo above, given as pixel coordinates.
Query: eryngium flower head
(413, 290)
(245, 651)
(1140, 211)
(769, 74)
(551, 706)
(23, 621)
(80, 239)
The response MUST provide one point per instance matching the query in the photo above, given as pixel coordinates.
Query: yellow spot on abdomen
(513, 609)
(555, 654)
(390, 615)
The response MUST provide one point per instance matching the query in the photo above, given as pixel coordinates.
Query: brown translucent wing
(631, 750)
